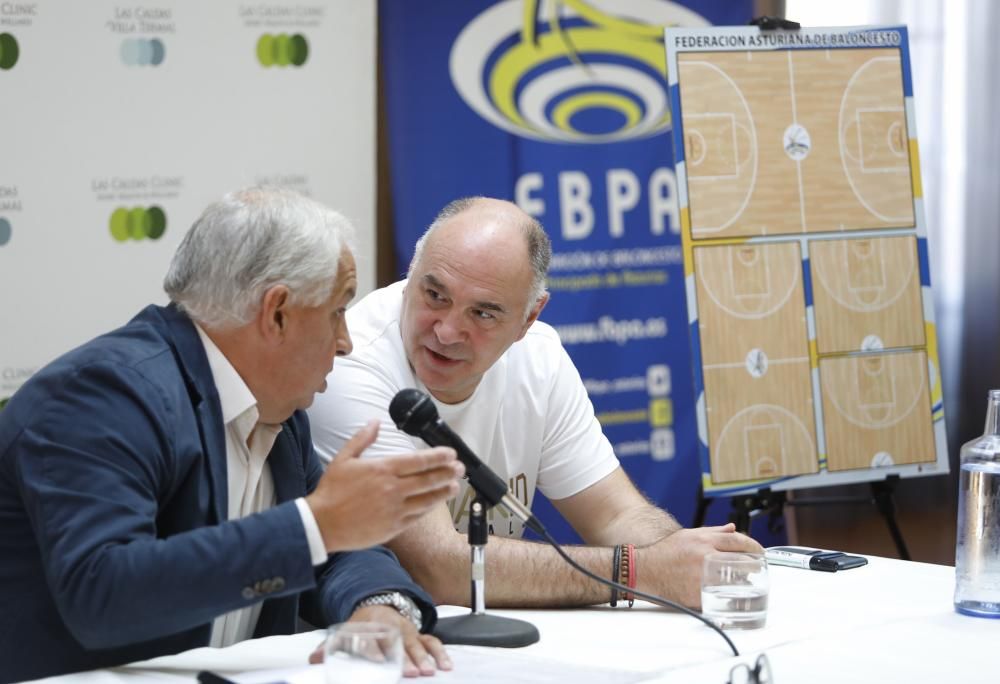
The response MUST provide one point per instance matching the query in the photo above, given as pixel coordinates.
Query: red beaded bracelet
(629, 572)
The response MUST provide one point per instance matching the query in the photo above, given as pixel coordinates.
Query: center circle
(756, 363)
(797, 142)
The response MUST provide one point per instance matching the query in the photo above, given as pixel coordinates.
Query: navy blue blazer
(114, 543)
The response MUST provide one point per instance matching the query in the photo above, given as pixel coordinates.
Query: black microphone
(414, 413)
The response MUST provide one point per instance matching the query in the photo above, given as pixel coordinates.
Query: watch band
(406, 606)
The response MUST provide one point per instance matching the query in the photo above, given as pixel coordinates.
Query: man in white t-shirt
(464, 328)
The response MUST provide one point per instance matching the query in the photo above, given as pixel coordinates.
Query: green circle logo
(5, 231)
(119, 224)
(299, 49)
(282, 50)
(9, 51)
(157, 223)
(137, 223)
(265, 50)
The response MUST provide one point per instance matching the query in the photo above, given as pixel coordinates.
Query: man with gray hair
(464, 328)
(158, 486)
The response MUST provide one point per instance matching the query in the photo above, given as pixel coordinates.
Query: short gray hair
(249, 241)
(538, 243)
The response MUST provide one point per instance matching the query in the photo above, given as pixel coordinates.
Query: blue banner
(562, 107)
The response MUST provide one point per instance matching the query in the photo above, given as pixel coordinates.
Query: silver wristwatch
(401, 602)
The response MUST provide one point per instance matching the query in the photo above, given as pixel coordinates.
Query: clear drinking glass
(734, 589)
(363, 653)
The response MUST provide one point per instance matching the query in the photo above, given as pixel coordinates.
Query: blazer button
(277, 583)
(249, 593)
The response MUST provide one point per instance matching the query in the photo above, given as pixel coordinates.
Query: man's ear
(272, 319)
(533, 315)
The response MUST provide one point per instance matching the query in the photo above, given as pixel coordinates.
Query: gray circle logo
(143, 51)
(5, 231)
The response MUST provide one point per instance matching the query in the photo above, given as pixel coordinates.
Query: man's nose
(450, 329)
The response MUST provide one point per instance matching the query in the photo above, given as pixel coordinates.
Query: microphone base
(486, 630)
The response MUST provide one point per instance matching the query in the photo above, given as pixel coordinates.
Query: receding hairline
(538, 246)
(506, 215)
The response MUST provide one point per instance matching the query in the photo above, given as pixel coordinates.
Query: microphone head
(411, 410)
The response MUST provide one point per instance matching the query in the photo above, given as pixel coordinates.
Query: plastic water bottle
(977, 551)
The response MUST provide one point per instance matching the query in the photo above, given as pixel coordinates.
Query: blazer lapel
(213, 440)
(193, 363)
(287, 470)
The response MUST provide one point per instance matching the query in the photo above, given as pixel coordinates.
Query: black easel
(478, 628)
(775, 23)
(747, 506)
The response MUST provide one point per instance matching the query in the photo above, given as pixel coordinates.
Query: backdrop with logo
(562, 107)
(122, 121)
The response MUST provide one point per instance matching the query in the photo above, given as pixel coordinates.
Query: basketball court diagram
(867, 294)
(805, 258)
(872, 409)
(794, 141)
(752, 324)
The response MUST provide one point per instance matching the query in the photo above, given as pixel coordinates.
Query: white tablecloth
(889, 621)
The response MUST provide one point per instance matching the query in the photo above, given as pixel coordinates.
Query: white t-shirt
(530, 419)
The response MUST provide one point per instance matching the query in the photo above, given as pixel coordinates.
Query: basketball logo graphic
(797, 142)
(756, 363)
(567, 70)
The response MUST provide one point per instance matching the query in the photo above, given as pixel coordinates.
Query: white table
(890, 621)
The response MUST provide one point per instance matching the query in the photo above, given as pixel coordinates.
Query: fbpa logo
(567, 71)
(137, 223)
(282, 50)
(9, 51)
(5, 231)
(143, 51)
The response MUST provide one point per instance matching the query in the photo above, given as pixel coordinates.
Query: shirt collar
(234, 395)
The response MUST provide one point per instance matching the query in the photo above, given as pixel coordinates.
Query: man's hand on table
(424, 653)
(672, 566)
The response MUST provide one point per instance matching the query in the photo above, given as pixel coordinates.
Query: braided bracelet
(615, 561)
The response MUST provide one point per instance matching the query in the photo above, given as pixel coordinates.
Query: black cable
(652, 598)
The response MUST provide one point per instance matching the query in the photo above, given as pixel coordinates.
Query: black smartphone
(813, 559)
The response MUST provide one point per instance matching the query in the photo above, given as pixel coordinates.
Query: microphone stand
(478, 628)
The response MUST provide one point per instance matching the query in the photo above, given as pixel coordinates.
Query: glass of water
(363, 653)
(734, 589)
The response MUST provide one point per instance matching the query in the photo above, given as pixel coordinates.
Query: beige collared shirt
(250, 485)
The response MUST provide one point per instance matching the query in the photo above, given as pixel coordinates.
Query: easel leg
(882, 497)
(701, 510)
(740, 513)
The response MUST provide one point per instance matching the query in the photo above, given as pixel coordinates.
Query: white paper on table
(475, 665)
